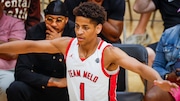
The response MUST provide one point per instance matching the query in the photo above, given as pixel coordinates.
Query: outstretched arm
(43, 46)
(118, 57)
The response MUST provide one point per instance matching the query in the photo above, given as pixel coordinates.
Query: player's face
(57, 22)
(86, 30)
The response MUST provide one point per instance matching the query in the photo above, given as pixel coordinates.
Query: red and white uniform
(87, 79)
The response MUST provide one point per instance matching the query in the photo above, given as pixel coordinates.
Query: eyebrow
(81, 25)
(56, 16)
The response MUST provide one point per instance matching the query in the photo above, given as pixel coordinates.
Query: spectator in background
(170, 16)
(170, 12)
(11, 29)
(167, 64)
(113, 26)
(26, 10)
(140, 35)
(37, 75)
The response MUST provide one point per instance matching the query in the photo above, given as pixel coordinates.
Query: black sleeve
(156, 3)
(25, 72)
(70, 5)
(117, 9)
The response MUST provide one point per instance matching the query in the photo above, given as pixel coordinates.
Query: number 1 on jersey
(81, 91)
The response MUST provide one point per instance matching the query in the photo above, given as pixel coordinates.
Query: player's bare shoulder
(112, 56)
(61, 43)
(114, 52)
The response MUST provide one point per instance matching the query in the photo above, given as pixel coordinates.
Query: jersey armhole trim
(67, 49)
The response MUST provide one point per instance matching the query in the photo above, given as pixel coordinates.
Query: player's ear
(99, 28)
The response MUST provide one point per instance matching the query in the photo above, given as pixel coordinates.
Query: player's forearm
(8, 56)
(150, 74)
(26, 46)
(16, 47)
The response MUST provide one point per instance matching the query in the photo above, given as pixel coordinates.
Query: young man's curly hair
(91, 10)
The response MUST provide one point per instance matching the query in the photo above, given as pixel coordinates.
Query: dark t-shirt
(170, 11)
(115, 8)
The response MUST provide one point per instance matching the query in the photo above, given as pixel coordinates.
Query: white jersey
(87, 79)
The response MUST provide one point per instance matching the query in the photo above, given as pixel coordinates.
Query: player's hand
(166, 85)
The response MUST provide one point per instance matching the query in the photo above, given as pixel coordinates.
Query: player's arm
(8, 56)
(29, 46)
(118, 57)
(122, 59)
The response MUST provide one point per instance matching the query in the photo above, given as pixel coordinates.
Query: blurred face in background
(1, 9)
(57, 22)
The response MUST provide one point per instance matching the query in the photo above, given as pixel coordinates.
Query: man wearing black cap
(37, 74)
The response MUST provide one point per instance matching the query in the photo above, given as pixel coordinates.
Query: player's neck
(85, 52)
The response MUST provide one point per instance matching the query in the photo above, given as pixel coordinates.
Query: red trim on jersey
(100, 44)
(102, 62)
(112, 87)
(82, 59)
(67, 49)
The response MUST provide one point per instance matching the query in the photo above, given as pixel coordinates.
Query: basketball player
(92, 64)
